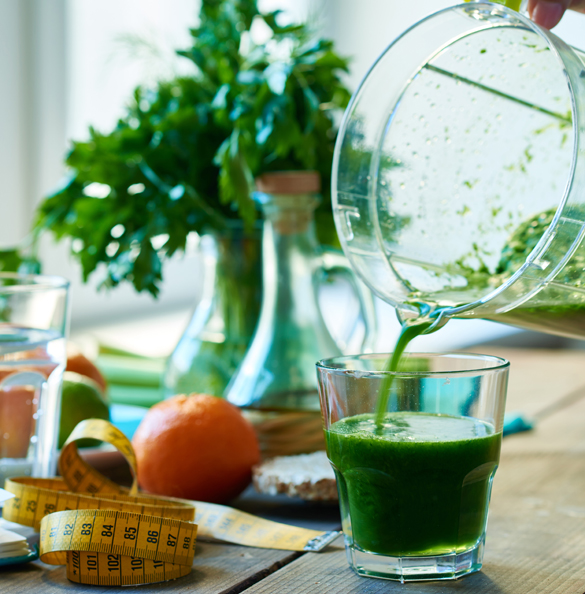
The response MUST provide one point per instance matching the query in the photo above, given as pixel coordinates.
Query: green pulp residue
(513, 4)
(558, 308)
(528, 234)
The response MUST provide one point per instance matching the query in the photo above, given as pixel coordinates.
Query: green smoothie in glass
(418, 487)
(414, 450)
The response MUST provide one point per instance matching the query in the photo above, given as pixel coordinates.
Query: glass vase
(276, 383)
(220, 330)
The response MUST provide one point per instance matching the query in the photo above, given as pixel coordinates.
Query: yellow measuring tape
(108, 535)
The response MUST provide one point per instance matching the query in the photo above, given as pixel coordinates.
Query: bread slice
(308, 476)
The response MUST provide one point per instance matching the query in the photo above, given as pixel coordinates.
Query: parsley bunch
(184, 156)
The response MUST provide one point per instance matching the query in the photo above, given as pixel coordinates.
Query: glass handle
(334, 262)
(580, 53)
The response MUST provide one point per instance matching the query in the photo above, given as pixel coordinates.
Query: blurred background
(66, 65)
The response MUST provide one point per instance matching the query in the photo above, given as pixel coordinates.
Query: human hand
(548, 13)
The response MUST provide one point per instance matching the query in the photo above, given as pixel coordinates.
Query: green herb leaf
(184, 156)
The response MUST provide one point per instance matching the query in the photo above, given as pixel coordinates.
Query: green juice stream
(410, 330)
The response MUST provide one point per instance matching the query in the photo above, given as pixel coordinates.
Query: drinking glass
(33, 324)
(415, 478)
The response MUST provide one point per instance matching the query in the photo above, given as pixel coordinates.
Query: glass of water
(33, 325)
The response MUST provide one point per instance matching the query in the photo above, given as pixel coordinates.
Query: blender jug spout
(432, 318)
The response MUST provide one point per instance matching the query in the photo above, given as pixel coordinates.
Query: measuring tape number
(104, 534)
(108, 535)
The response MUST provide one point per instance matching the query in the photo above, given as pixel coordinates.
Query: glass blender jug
(459, 173)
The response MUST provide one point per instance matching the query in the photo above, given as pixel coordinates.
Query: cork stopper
(289, 182)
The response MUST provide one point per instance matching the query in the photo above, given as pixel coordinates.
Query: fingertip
(547, 14)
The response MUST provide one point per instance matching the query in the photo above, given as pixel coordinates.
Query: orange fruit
(195, 447)
(79, 363)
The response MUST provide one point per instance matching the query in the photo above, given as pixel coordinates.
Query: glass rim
(329, 365)
(34, 282)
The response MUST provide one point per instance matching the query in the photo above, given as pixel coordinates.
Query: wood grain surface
(218, 568)
(535, 544)
(540, 378)
(536, 531)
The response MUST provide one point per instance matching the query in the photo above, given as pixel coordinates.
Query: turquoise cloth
(127, 417)
(515, 422)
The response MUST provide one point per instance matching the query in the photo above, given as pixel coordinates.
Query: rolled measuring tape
(108, 535)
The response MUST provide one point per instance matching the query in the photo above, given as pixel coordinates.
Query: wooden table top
(536, 532)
